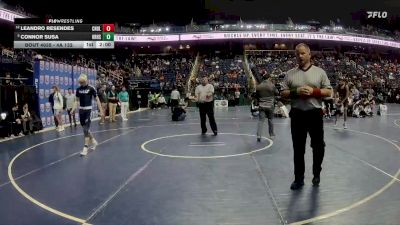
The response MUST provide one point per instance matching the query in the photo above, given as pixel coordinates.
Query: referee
(204, 94)
(306, 86)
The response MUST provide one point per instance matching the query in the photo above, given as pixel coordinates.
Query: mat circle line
(143, 147)
(84, 222)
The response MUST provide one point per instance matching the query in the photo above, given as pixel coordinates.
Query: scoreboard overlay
(62, 34)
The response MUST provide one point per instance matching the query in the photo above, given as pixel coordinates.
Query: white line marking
(200, 143)
(111, 197)
(365, 162)
(143, 147)
(33, 200)
(362, 201)
(41, 168)
(268, 190)
(376, 168)
(395, 123)
(66, 157)
(211, 145)
(391, 114)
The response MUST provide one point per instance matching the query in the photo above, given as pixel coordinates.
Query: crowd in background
(226, 74)
(372, 81)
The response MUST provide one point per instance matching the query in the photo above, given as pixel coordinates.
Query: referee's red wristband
(316, 93)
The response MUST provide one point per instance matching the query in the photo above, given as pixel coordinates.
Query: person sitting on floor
(178, 113)
(27, 122)
(161, 101)
(15, 120)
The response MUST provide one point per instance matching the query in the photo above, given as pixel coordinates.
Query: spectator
(70, 101)
(27, 120)
(161, 101)
(237, 96)
(15, 119)
(51, 100)
(123, 97)
(58, 107)
(175, 97)
(139, 98)
(112, 103)
(102, 94)
(150, 96)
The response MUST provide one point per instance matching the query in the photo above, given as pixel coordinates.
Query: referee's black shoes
(296, 185)
(215, 133)
(315, 181)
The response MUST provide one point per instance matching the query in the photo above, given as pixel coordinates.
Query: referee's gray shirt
(314, 77)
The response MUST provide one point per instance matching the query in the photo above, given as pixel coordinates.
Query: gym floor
(152, 171)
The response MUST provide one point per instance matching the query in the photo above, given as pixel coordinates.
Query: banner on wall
(51, 74)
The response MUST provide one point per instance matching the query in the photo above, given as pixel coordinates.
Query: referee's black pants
(303, 122)
(207, 109)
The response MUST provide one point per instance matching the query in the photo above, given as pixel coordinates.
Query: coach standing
(204, 95)
(266, 92)
(306, 85)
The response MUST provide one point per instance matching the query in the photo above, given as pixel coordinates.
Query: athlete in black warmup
(84, 95)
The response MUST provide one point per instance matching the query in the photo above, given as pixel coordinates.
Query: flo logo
(377, 14)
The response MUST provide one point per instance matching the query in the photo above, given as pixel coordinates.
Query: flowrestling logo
(377, 14)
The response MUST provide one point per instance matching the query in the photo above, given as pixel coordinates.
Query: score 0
(108, 27)
(108, 32)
